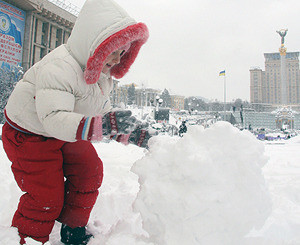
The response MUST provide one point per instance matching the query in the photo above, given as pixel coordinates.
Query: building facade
(256, 83)
(46, 27)
(146, 96)
(177, 102)
(265, 86)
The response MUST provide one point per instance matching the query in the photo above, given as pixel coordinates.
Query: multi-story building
(120, 93)
(114, 93)
(42, 27)
(177, 102)
(256, 80)
(265, 86)
(146, 96)
(121, 96)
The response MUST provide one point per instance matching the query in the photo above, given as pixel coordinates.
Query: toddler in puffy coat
(54, 113)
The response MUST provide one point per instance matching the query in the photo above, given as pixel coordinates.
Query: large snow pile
(206, 188)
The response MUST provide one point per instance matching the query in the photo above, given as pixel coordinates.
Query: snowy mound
(294, 140)
(205, 188)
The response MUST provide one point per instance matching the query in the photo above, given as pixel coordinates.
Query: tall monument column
(282, 51)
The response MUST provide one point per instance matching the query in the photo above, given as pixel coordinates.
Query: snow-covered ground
(214, 186)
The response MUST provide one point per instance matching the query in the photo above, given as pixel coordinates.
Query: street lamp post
(157, 98)
(159, 101)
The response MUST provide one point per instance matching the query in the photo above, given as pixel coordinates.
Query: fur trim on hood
(135, 35)
(101, 28)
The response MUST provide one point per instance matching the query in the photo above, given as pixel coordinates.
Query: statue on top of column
(282, 33)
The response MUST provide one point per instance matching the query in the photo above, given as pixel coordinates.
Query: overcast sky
(191, 41)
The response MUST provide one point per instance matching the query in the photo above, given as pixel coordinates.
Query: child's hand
(119, 122)
(140, 137)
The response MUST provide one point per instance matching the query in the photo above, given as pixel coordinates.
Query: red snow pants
(60, 181)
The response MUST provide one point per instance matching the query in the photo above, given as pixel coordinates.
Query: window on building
(35, 30)
(44, 39)
(33, 55)
(58, 37)
(50, 36)
(64, 37)
(42, 53)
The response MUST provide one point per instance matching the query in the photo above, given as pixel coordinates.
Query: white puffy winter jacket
(67, 84)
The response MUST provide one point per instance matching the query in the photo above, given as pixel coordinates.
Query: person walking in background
(182, 128)
(54, 113)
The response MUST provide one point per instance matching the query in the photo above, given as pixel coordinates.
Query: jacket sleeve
(55, 100)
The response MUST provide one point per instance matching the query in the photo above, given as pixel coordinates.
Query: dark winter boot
(74, 236)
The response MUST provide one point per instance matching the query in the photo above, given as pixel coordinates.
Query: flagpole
(223, 73)
(225, 97)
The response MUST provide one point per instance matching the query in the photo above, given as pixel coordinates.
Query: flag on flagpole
(222, 73)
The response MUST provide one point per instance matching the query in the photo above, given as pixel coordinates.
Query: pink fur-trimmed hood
(101, 28)
(136, 35)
